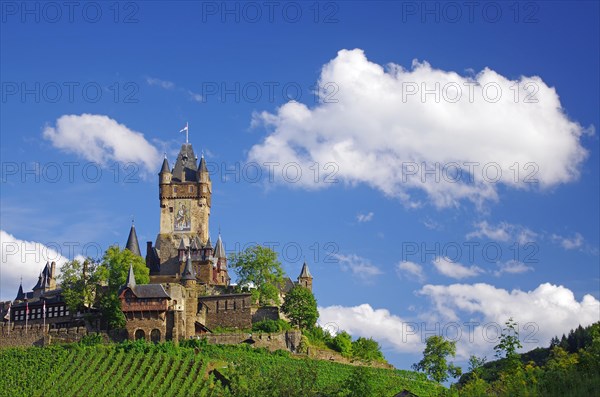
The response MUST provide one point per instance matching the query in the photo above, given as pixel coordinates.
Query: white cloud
(369, 130)
(167, 85)
(364, 217)
(410, 270)
(454, 269)
(512, 267)
(497, 233)
(103, 140)
(195, 97)
(22, 258)
(379, 324)
(359, 267)
(569, 243)
(504, 232)
(546, 311)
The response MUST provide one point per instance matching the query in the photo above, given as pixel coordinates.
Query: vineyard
(136, 369)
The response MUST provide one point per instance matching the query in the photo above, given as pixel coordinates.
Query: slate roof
(305, 273)
(165, 167)
(186, 164)
(150, 291)
(188, 272)
(219, 250)
(132, 242)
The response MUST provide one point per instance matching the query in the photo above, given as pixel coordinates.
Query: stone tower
(305, 279)
(185, 200)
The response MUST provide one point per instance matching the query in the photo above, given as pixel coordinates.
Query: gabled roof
(132, 242)
(219, 250)
(150, 291)
(305, 273)
(208, 244)
(181, 245)
(186, 164)
(194, 245)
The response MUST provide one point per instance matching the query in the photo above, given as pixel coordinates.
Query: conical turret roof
(305, 273)
(188, 272)
(132, 242)
(130, 283)
(219, 250)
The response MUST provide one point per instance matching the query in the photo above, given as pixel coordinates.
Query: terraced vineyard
(166, 370)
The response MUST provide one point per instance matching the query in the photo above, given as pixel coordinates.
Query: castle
(190, 290)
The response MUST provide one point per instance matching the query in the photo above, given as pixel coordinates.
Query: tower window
(191, 188)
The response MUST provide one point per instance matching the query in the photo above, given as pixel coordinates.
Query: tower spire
(130, 283)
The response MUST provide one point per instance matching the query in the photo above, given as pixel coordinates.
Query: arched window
(140, 334)
(155, 335)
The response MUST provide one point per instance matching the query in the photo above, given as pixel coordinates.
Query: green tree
(114, 268)
(367, 349)
(434, 362)
(300, 306)
(116, 264)
(80, 282)
(259, 266)
(509, 343)
(342, 343)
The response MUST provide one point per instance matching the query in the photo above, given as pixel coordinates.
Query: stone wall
(146, 323)
(227, 311)
(265, 313)
(287, 340)
(38, 335)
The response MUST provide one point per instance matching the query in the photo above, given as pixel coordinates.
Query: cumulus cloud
(512, 267)
(100, 139)
(359, 267)
(368, 128)
(411, 271)
(454, 269)
(364, 217)
(542, 313)
(22, 258)
(388, 329)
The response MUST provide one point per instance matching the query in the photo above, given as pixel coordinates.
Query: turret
(305, 279)
(188, 277)
(130, 283)
(20, 293)
(132, 241)
(203, 175)
(165, 172)
(181, 250)
(207, 249)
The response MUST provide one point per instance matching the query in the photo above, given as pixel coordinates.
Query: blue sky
(338, 87)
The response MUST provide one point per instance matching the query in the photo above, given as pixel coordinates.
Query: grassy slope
(165, 370)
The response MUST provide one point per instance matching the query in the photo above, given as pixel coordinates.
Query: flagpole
(44, 316)
(9, 312)
(26, 315)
